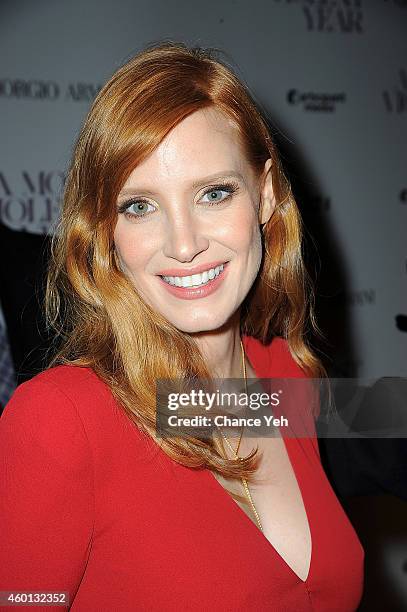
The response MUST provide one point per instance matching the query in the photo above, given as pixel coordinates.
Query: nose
(184, 238)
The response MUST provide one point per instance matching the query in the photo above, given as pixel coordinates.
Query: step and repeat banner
(331, 75)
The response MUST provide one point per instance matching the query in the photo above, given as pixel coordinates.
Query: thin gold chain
(244, 481)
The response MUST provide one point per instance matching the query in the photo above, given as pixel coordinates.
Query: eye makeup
(229, 187)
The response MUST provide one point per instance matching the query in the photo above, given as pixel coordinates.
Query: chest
(168, 536)
(278, 501)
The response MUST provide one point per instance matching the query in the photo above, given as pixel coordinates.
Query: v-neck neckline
(301, 484)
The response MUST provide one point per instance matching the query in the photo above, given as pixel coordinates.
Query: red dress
(91, 506)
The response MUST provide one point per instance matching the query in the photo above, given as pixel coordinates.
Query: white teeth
(196, 279)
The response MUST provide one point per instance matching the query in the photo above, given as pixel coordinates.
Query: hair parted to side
(99, 319)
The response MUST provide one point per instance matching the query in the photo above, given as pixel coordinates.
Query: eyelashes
(228, 187)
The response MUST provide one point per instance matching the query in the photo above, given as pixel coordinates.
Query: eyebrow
(198, 183)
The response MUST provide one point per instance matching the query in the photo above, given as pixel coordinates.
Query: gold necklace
(244, 481)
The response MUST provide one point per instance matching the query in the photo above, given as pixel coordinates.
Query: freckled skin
(184, 230)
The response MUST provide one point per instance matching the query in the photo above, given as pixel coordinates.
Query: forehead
(205, 142)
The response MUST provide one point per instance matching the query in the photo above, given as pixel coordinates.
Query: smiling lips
(189, 271)
(197, 285)
(194, 280)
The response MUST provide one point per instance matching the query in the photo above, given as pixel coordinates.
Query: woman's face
(189, 208)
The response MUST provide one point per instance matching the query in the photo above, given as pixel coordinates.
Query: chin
(198, 325)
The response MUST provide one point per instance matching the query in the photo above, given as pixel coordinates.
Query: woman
(178, 256)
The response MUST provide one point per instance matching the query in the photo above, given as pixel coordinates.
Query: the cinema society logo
(32, 203)
(343, 16)
(313, 101)
(395, 97)
(35, 89)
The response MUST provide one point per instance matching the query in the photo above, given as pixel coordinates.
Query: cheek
(256, 240)
(251, 244)
(243, 233)
(134, 248)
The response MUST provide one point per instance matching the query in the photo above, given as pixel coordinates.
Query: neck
(221, 349)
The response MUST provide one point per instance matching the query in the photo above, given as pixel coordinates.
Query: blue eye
(213, 193)
(141, 206)
(141, 210)
(228, 188)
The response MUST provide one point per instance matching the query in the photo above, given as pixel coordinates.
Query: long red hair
(99, 318)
